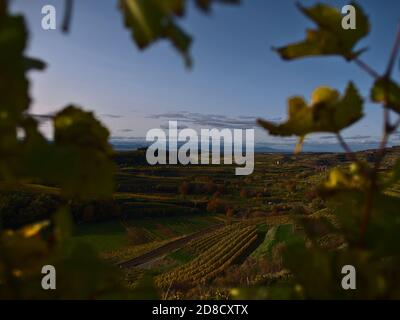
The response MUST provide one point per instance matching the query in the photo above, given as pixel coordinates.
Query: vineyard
(216, 252)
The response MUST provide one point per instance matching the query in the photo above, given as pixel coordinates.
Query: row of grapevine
(214, 260)
(202, 244)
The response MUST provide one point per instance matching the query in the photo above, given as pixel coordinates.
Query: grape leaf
(14, 85)
(81, 144)
(328, 112)
(79, 159)
(371, 279)
(78, 128)
(14, 97)
(387, 92)
(205, 5)
(153, 20)
(382, 233)
(330, 38)
(355, 178)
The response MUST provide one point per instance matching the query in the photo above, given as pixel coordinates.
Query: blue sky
(236, 77)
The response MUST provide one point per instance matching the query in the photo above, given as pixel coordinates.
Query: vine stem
(393, 54)
(387, 130)
(349, 153)
(373, 187)
(366, 68)
(69, 4)
(396, 125)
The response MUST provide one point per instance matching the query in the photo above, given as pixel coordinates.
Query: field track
(166, 248)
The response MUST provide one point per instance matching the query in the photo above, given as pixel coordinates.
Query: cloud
(125, 130)
(127, 138)
(180, 127)
(358, 137)
(210, 120)
(247, 117)
(362, 138)
(326, 137)
(113, 116)
(169, 115)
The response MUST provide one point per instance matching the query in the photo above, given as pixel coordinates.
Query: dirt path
(166, 248)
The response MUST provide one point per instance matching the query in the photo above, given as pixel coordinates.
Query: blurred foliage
(366, 220)
(330, 38)
(387, 92)
(78, 161)
(80, 273)
(152, 20)
(328, 112)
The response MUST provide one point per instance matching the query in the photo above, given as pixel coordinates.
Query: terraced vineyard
(202, 244)
(216, 252)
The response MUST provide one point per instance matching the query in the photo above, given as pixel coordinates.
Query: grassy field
(102, 236)
(111, 235)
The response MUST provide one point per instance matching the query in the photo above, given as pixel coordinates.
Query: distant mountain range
(133, 144)
(127, 144)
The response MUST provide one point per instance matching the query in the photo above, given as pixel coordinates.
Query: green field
(111, 235)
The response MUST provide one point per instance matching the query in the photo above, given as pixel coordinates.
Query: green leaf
(329, 38)
(34, 64)
(63, 223)
(81, 145)
(372, 280)
(93, 278)
(14, 89)
(205, 5)
(79, 161)
(14, 97)
(357, 178)
(76, 127)
(328, 112)
(152, 20)
(386, 92)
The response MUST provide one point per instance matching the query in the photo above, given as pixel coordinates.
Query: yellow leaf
(33, 229)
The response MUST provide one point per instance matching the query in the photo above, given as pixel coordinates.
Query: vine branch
(69, 4)
(388, 129)
(349, 153)
(393, 55)
(364, 66)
